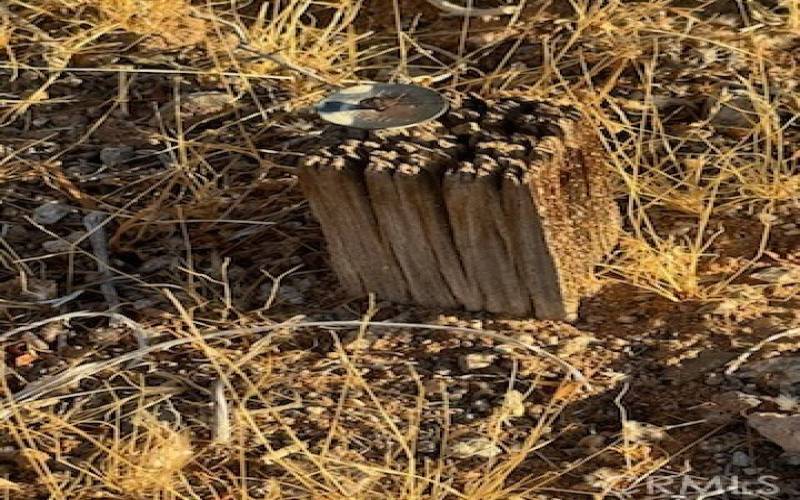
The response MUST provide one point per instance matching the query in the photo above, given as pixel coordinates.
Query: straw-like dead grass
(699, 114)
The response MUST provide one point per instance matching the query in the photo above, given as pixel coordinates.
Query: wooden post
(498, 206)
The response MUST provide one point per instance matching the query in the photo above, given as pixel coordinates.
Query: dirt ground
(172, 329)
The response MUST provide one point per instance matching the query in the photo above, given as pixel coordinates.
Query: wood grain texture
(401, 228)
(422, 194)
(502, 207)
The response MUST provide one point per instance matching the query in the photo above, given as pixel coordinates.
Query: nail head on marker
(382, 106)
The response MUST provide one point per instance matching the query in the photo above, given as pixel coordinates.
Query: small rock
(51, 212)
(72, 81)
(786, 402)
(693, 368)
(447, 319)
(726, 307)
(199, 106)
(65, 244)
(467, 128)
(575, 345)
(534, 410)
(721, 444)
(475, 447)
(642, 432)
(426, 447)
(52, 331)
(107, 335)
(777, 372)
(476, 361)
(768, 219)
(618, 343)
(740, 459)
(627, 319)
(291, 295)
(714, 379)
(157, 263)
(735, 112)
(56, 246)
(792, 459)
(29, 459)
(435, 386)
(778, 275)
(593, 442)
(206, 103)
(35, 342)
(514, 403)
(358, 342)
(316, 411)
(25, 359)
(526, 338)
(783, 430)
(111, 157)
(480, 405)
(476, 324)
(31, 288)
(735, 402)
(325, 401)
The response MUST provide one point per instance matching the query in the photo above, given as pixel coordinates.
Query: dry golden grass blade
(231, 322)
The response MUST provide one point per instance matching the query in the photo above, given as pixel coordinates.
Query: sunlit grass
(304, 48)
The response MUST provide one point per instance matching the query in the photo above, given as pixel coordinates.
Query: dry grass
(700, 117)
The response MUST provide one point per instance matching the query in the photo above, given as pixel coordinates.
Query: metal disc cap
(382, 106)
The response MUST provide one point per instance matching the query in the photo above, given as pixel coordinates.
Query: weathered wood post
(498, 206)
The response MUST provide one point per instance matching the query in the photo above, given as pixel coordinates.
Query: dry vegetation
(171, 328)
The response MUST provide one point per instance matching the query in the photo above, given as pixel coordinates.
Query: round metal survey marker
(382, 106)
